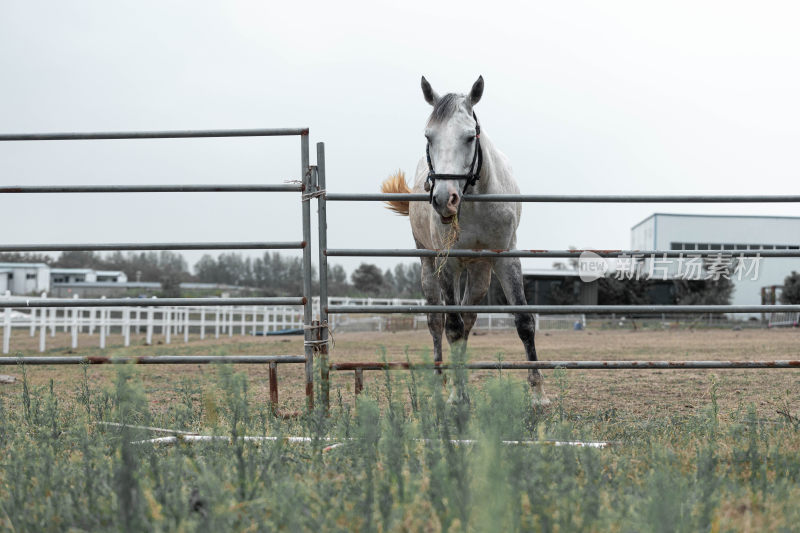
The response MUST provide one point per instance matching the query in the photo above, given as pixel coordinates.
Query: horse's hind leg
(433, 296)
(509, 272)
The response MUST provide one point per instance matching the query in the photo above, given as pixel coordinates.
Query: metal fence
(359, 367)
(312, 185)
(302, 185)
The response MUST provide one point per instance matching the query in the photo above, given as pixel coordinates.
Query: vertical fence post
(149, 331)
(322, 332)
(53, 321)
(43, 326)
(305, 200)
(202, 323)
(273, 386)
(167, 318)
(126, 326)
(186, 316)
(33, 321)
(216, 324)
(359, 381)
(6, 324)
(230, 322)
(102, 321)
(75, 325)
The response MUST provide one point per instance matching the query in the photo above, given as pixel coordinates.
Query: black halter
(472, 176)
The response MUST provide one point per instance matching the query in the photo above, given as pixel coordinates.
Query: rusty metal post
(308, 336)
(322, 332)
(359, 383)
(273, 386)
(322, 357)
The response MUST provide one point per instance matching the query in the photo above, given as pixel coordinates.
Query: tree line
(272, 274)
(279, 274)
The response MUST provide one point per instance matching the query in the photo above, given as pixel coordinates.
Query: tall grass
(398, 467)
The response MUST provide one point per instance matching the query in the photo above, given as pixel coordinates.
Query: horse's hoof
(539, 397)
(456, 398)
(540, 401)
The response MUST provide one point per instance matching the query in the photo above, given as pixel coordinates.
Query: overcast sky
(583, 97)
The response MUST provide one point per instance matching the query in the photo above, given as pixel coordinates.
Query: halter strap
(472, 176)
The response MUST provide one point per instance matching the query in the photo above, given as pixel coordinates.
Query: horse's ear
(476, 92)
(427, 91)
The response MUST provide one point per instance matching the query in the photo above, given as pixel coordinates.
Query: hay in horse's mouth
(449, 240)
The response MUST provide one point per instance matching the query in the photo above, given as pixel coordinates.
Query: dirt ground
(641, 393)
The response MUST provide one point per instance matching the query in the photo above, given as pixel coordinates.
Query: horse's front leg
(509, 272)
(479, 274)
(433, 296)
(449, 279)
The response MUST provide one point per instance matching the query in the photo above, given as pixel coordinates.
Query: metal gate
(359, 367)
(302, 185)
(312, 185)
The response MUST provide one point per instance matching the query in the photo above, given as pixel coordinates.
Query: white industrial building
(729, 234)
(86, 275)
(24, 278)
(36, 278)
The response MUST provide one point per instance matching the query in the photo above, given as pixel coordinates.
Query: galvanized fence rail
(302, 185)
(558, 254)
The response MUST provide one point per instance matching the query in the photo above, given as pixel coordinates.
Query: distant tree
(612, 291)
(390, 283)
(791, 289)
(152, 266)
(400, 279)
(413, 280)
(170, 285)
(337, 281)
(22, 257)
(77, 259)
(205, 270)
(565, 293)
(367, 279)
(233, 269)
(703, 291)
(172, 271)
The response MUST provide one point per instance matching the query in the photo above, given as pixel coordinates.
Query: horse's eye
(468, 140)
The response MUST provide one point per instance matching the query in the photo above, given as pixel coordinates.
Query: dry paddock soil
(639, 393)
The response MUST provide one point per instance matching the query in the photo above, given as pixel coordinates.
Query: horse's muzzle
(446, 205)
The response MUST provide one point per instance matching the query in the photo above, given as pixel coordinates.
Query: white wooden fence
(783, 320)
(167, 322)
(177, 322)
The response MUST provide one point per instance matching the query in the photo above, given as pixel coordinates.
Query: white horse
(460, 158)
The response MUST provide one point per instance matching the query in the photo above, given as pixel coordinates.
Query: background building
(24, 278)
(729, 234)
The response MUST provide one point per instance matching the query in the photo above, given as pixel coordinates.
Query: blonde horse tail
(396, 183)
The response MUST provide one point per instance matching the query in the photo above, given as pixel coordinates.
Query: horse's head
(454, 156)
